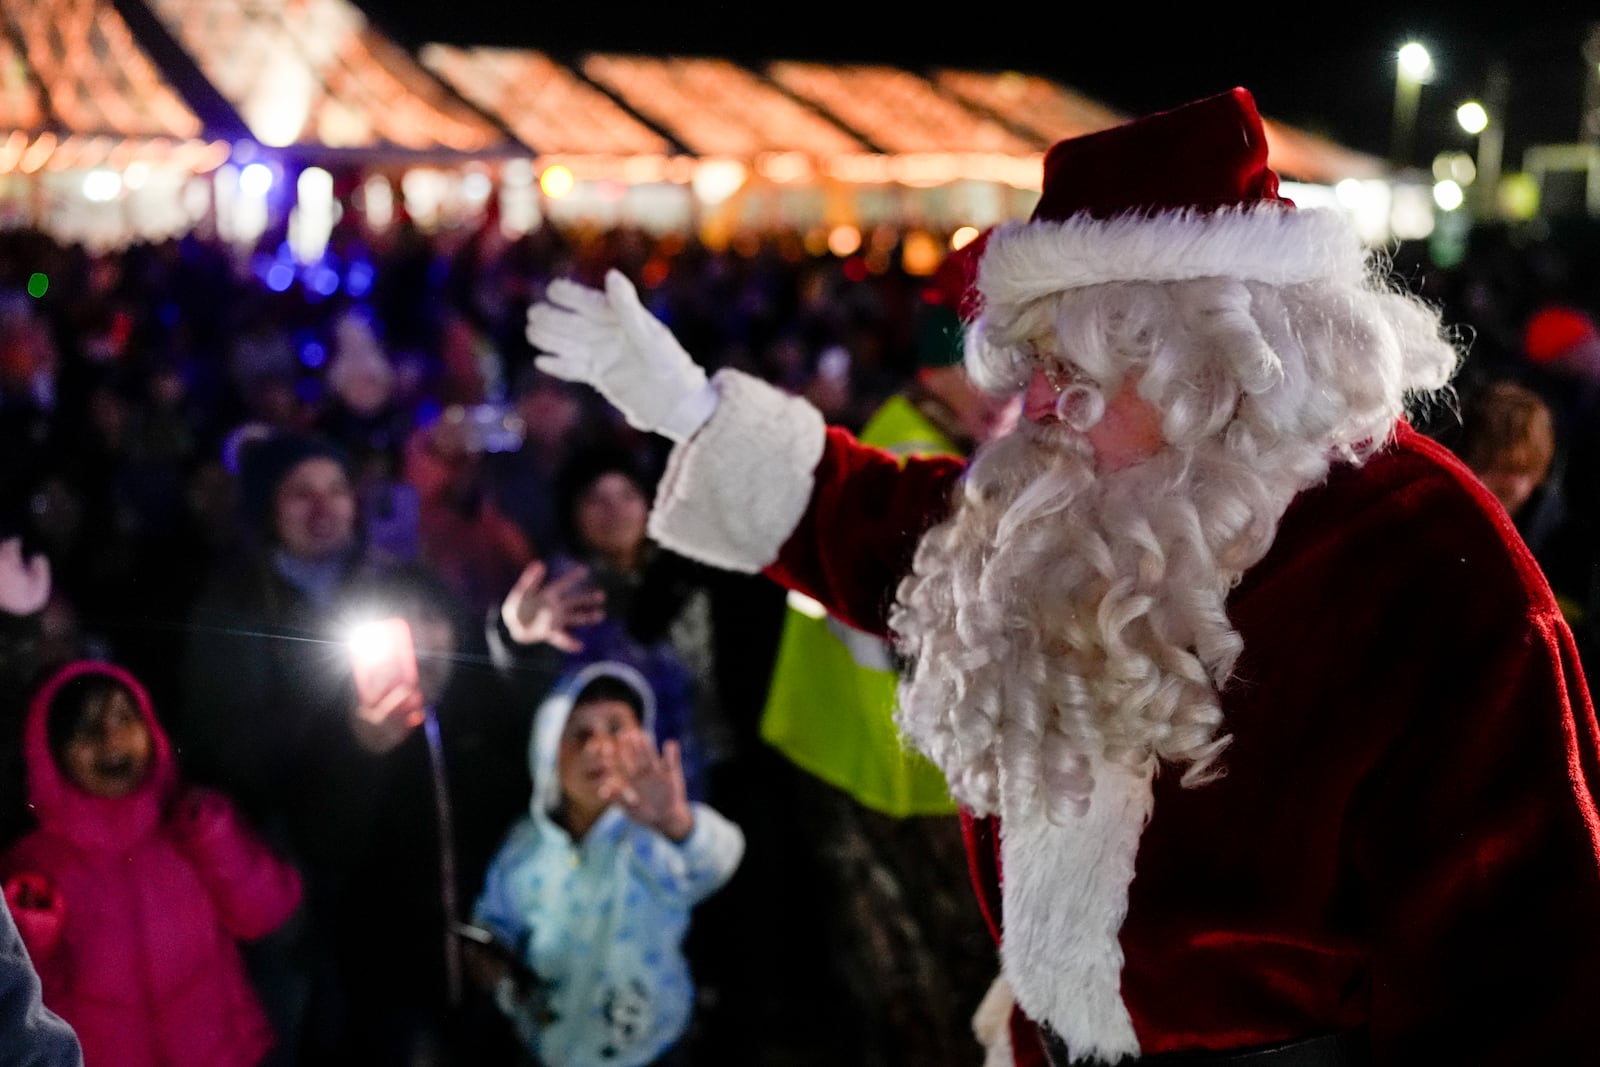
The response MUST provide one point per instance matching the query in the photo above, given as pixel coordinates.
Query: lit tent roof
(715, 108)
(551, 110)
(1050, 112)
(795, 121)
(1308, 157)
(1040, 108)
(896, 110)
(77, 90)
(316, 74)
(85, 83)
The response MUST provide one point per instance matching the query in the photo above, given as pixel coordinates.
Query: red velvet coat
(1406, 837)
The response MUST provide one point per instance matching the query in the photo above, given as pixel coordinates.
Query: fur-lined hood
(544, 744)
(67, 811)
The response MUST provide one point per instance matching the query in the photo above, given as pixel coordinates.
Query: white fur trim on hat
(1064, 894)
(734, 492)
(1267, 243)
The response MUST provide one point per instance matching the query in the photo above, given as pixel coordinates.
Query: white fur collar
(1064, 894)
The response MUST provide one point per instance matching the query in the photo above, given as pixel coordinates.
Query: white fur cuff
(1064, 894)
(735, 491)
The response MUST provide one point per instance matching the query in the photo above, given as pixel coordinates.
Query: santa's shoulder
(1413, 522)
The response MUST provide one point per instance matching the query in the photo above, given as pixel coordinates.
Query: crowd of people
(210, 476)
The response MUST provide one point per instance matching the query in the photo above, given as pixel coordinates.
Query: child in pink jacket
(133, 890)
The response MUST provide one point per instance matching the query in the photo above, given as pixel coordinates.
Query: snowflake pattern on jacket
(601, 920)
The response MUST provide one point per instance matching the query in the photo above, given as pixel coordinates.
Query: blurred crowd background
(134, 382)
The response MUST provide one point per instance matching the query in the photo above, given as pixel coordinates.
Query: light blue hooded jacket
(601, 920)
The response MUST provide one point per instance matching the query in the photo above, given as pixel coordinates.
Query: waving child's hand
(649, 785)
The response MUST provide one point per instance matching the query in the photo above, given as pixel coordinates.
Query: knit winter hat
(1181, 194)
(949, 301)
(1556, 330)
(265, 463)
(579, 474)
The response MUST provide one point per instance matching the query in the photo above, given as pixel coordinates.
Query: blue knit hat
(265, 463)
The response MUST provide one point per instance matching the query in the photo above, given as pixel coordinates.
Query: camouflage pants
(909, 944)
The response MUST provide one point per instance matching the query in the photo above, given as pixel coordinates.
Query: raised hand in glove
(608, 340)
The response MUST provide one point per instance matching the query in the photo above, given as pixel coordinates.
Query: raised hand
(381, 726)
(649, 784)
(24, 585)
(536, 612)
(610, 341)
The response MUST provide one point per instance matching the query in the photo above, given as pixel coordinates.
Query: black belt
(1346, 1049)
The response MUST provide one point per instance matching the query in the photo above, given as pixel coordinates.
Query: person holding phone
(271, 716)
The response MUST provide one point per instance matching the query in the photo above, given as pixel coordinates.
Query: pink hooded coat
(130, 908)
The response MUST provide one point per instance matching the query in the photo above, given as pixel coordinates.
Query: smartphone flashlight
(382, 657)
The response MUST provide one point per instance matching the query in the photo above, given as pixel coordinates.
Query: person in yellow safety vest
(830, 704)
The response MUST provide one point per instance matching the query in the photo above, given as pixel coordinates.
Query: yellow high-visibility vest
(830, 708)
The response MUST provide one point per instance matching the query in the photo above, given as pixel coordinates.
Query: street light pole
(1413, 67)
(1491, 142)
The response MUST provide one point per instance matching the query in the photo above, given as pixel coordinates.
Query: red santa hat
(1180, 194)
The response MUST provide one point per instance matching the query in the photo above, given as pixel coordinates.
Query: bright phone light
(382, 655)
(370, 642)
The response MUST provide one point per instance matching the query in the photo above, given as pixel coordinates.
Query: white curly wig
(1064, 616)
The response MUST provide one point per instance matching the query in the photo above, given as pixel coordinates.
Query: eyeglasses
(1060, 374)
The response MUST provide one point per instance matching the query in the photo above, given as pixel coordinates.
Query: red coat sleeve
(855, 542)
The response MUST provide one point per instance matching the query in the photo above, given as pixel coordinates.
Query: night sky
(1328, 74)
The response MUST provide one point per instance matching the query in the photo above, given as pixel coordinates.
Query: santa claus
(1271, 742)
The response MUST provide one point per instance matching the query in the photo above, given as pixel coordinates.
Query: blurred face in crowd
(314, 511)
(446, 466)
(210, 496)
(1512, 485)
(1510, 442)
(550, 415)
(589, 758)
(57, 512)
(108, 753)
(611, 518)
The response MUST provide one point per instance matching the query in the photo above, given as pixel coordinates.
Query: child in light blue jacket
(592, 889)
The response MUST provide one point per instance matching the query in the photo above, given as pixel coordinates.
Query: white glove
(610, 341)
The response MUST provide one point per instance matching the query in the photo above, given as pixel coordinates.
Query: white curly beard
(1062, 617)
